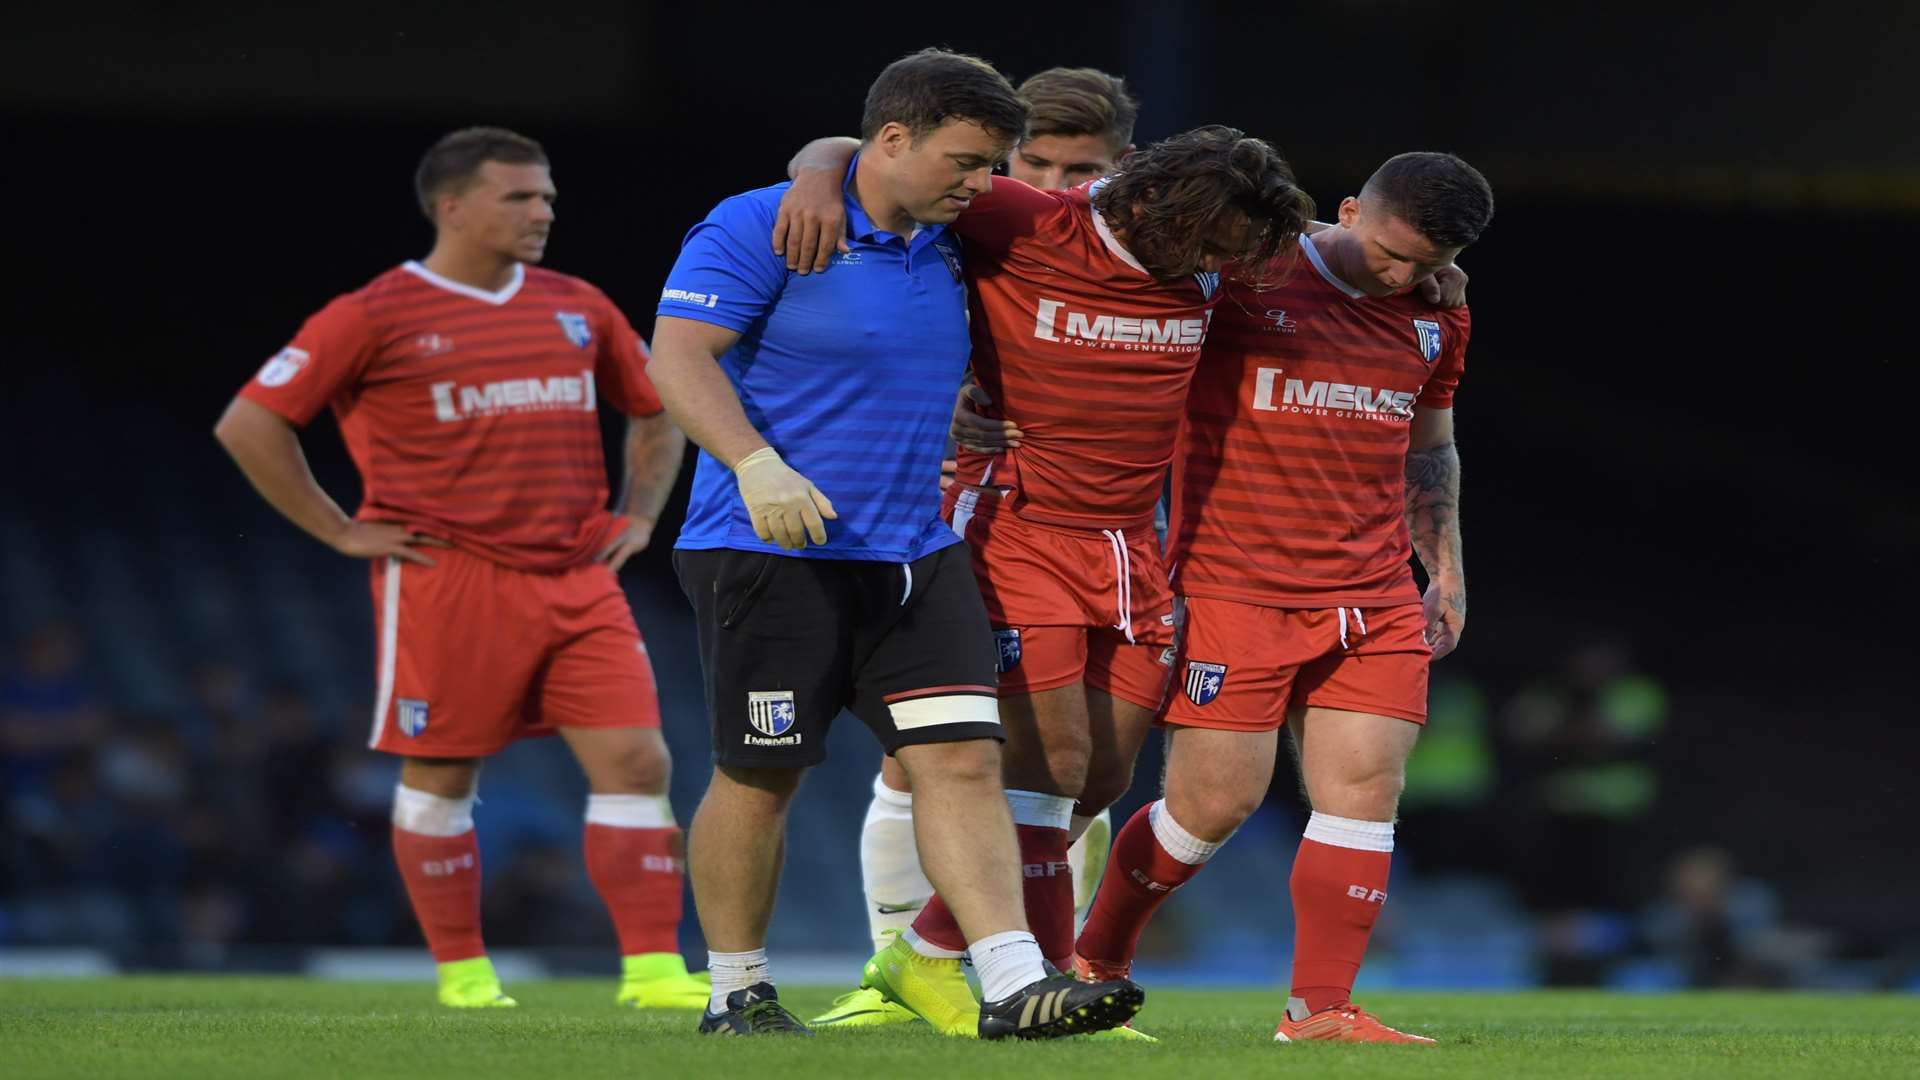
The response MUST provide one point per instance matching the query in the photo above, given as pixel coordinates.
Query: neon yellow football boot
(661, 981)
(472, 984)
(865, 1007)
(935, 990)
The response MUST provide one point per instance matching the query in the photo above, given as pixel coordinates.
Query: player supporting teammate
(853, 594)
(1318, 453)
(1089, 309)
(1079, 125)
(466, 386)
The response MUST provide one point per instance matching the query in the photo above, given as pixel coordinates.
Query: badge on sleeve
(1429, 332)
(574, 325)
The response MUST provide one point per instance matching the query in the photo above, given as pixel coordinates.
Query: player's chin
(532, 251)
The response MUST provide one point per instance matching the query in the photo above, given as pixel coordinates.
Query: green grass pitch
(570, 1030)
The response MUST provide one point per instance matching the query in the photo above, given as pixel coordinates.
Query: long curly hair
(1165, 198)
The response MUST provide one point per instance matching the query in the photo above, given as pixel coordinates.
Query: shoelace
(768, 1016)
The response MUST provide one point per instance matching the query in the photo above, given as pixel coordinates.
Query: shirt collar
(1320, 266)
(861, 227)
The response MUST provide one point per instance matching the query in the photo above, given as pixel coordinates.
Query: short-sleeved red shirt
(1291, 487)
(472, 415)
(1085, 350)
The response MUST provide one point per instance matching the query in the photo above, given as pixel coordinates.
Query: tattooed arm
(1433, 521)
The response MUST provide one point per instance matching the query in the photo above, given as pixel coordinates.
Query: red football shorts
(1074, 604)
(1240, 667)
(471, 655)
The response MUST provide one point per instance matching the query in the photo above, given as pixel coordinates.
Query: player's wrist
(760, 456)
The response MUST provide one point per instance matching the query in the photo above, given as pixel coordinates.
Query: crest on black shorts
(1204, 680)
(1429, 333)
(771, 712)
(1007, 646)
(574, 325)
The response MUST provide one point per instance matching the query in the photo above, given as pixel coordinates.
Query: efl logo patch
(771, 712)
(574, 325)
(1429, 332)
(1007, 643)
(1203, 681)
(412, 714)
(285, 364)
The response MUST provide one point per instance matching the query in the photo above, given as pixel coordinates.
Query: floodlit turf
(571, 1030)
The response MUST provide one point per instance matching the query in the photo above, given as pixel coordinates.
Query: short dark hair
(1445, 199)
(1080, 101)
(1165, 197)
(452, 163)
(926, 89)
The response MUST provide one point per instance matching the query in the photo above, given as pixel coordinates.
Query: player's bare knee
(970, 763)
(1212, 812)
(1105, 784)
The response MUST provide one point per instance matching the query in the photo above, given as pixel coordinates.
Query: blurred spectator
(48, 707)
(1721, 929)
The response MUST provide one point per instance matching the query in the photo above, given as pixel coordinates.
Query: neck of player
(488, 271)
(1336, 247)
(870, 191)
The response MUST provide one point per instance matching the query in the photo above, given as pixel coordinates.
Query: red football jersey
(1085, 350)
(472, 415)
(1291, 486)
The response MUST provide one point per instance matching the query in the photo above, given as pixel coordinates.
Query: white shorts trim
(389, 648)
(946, 709)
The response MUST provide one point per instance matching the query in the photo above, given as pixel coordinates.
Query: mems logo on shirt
(451, 401)
(1322, 398)
(1054, 321)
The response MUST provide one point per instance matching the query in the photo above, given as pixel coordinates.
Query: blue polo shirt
(849, 374)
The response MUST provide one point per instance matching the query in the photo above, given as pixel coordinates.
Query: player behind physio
(1089, 309)
(466, 386)
(852, 593)
(1318, 454)
(1080, 124)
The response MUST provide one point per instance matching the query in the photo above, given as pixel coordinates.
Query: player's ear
(1349, 211)
(1122, 155)
(894, 138)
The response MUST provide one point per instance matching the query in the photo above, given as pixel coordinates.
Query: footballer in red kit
(1316, 458)
(467, 388)
(1089, 308)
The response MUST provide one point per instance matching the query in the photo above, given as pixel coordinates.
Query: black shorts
(788, 642)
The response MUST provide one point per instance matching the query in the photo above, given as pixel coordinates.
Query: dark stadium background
(1690, 508)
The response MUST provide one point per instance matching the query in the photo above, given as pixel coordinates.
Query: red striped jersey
(472, 415)
(1085, 350)
(1291, 486)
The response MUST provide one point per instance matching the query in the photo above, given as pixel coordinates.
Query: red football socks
(1141, 874)
(638, 873)
(442, 875)
(1338, 889)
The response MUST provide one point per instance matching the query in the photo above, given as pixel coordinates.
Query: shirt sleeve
(1439, 391)
(1011, 210)
(324, 361)
(620, 369)
(727, 273)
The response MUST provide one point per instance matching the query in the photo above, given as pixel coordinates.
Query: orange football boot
(1345, 1023)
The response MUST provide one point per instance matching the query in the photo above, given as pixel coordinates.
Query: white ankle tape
(1040, 809)
(417, 811)
(1177, 841)
(1350, 832)
(630, 811)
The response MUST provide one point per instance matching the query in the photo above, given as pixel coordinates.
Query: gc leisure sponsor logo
(697, 299)
(452, 401)
(1323, 398)
(1054, 321)
(1281, 322)
(285, 364)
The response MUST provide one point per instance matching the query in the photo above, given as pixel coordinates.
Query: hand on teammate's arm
(785, 507)
(652, 461)
(1433, 522)
(811, 223)
(1447, 287)
(974, 429)
(267, 449)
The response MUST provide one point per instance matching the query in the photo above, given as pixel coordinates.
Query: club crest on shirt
(1007, 647)
(574, 325)
(771, 712)
(1204, 680)
(951, 254)
(1429, 333)
(412, 714)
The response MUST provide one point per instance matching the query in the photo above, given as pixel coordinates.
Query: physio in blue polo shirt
(820, 573)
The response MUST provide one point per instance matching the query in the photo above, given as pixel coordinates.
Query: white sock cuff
(1177, 841)
(630, 811)
(417, 811)
(1350, 832)
(902, 799)
(1039, 809)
